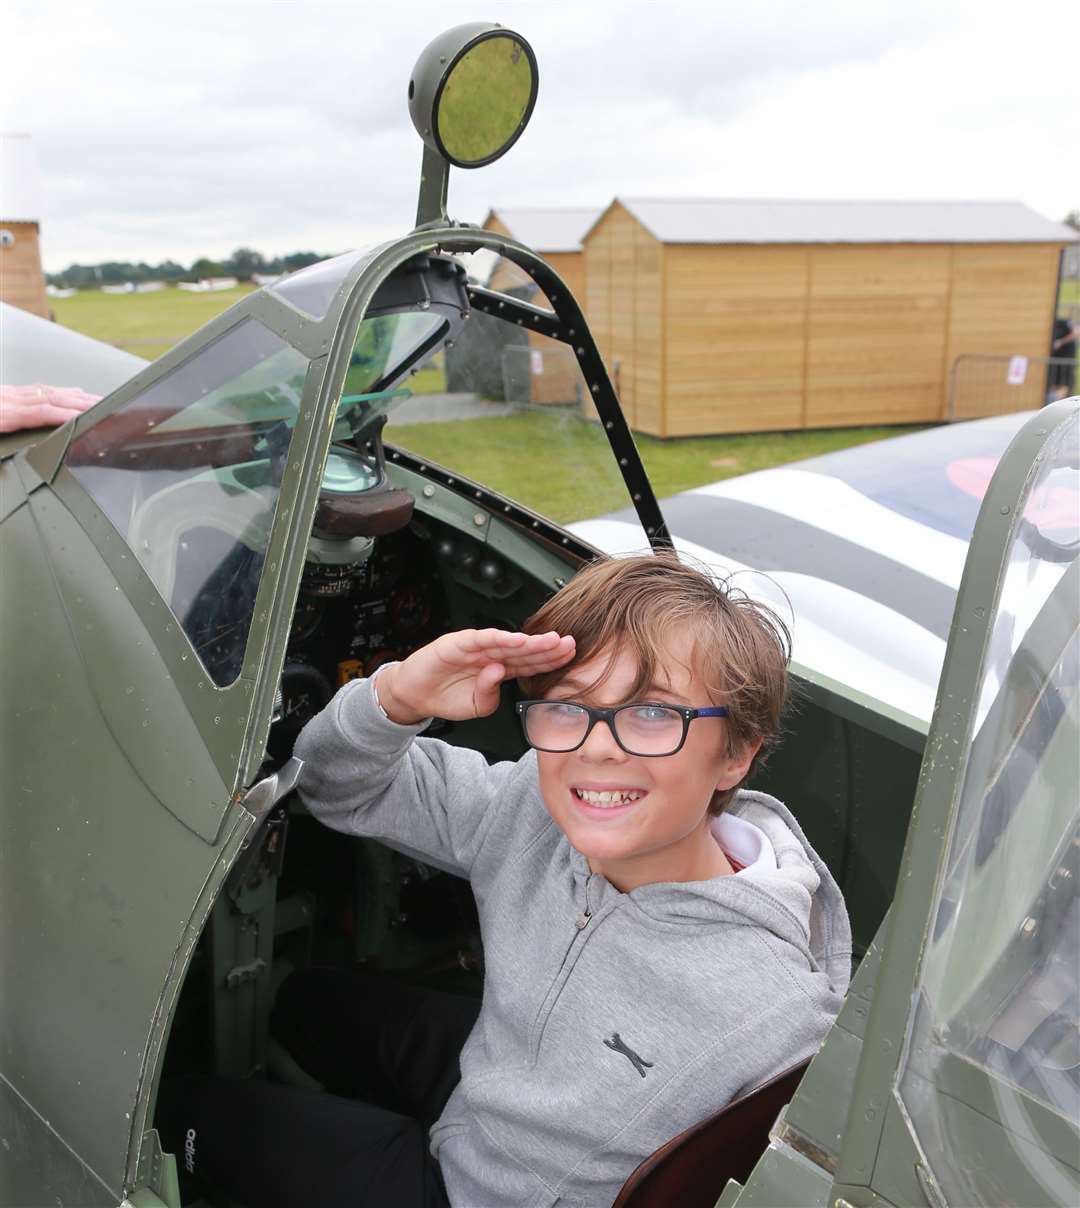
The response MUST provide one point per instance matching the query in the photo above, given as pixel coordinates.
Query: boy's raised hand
(458, 675)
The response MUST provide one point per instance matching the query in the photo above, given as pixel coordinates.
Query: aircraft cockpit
(189, 470)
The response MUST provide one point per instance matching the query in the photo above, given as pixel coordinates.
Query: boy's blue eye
(653, 715)
(561, 711)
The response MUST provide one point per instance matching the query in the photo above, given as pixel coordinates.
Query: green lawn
(150, 324)
(145, 324)
(562, 466)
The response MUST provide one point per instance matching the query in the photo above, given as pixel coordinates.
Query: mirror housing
(471, 95)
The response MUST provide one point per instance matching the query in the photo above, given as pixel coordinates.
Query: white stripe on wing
(836, 632)
(837, 508)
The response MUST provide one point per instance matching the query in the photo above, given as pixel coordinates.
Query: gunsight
(471, 95)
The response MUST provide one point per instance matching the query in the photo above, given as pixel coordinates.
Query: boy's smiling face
(659, 830)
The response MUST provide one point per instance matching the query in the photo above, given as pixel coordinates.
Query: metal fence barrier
(541, 375)
(994, 385)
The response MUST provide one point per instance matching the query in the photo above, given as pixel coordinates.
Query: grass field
(145, 324)
(562, 466)
(150, 324)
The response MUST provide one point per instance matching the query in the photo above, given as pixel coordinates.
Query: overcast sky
(174, 129)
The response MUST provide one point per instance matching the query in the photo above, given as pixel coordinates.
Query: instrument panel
(352, 618)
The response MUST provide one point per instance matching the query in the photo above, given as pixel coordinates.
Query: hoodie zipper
(582, 920)
(580, 923)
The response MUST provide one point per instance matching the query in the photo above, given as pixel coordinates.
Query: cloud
(172, 129)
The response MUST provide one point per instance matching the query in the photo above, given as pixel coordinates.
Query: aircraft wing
(36, 350)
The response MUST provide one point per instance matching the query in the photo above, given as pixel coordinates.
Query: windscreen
(188, 472)
(312, 289)
(999, 984)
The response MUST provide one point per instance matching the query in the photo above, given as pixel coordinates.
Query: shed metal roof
(551, 229)
(722, 220)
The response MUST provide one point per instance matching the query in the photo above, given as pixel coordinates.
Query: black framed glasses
(642, 728)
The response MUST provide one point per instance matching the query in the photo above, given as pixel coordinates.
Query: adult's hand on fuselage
(39, 406)
(458, 675)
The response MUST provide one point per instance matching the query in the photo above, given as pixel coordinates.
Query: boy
(656, 942)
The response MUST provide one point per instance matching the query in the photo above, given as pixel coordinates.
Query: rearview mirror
(472, 93)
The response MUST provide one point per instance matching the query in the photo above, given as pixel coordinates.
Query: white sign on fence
(1017, 371)
(536, 361)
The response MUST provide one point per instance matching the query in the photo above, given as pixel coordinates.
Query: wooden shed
(22, 279)
(555, 233)
(732, 316)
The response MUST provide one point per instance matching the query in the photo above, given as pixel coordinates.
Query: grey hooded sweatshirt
(610, 1021)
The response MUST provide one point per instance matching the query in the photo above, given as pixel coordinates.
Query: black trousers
(387, 1054)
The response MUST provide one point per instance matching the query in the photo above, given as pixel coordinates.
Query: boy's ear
(736, 767)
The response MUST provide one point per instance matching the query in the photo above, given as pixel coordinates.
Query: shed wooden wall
(733, 338)
(507, 275)
(887, 322)
(569, 265)
(560, 381)
(561, 378)
(876, 323)
(979, 323)
(22, 279)
(624, 291)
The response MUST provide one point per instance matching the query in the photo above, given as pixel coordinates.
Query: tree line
(242, 264)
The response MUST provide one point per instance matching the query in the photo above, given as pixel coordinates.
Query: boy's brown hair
(740, 647)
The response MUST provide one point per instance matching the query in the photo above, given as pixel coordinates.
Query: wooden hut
(22, 279)
(731, 316)
(550, 374)
(555, 232)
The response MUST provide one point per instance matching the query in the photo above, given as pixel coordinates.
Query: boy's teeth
(607, 798)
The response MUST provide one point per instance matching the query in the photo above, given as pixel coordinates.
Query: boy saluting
(657, 941)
